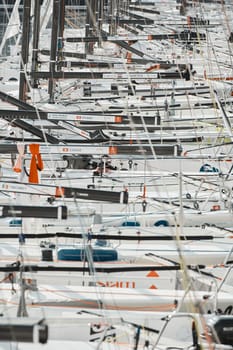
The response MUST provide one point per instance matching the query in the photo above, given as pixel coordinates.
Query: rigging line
(221, 228)
(224, 278)
(171, 202)
(224, 115)
(209, 147)
(215, 56)
(199, 180)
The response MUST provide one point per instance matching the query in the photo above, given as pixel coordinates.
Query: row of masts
(96, 13)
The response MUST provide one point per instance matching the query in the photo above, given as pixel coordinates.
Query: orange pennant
(152, 273)
(59, 192)
(153, 287)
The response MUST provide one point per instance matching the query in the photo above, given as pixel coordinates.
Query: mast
(25, 50)
(99, 15)
(90, 29)
(35, 43)
(112, 17)
(53, 49)
(60, 34)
